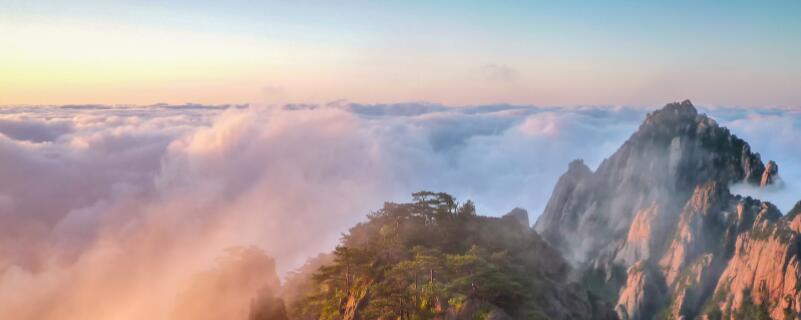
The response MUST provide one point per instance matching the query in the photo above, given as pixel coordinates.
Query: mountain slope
(434, 259)
(656, 231)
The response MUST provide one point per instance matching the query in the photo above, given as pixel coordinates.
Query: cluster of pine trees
(434, 258)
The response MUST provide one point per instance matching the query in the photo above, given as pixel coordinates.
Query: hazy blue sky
(458, 52)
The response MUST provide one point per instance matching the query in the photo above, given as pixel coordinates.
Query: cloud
(773, 133)
(108, 212)
(33, 130)
(499, 73)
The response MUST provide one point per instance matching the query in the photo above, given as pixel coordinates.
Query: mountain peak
(684, 108)
(578, 165)
(672, 113)
(679, 118)
(660, 208)
(675, 150)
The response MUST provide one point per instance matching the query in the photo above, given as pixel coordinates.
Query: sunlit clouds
(108, 212)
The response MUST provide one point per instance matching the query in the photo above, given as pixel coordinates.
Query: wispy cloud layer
(106, 212)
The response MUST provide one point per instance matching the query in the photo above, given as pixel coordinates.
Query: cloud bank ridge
(106, 211)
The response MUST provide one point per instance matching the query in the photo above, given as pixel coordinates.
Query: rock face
(657, 225)
(764, 271)
(520, 216)
(768, 176)
(642, 293)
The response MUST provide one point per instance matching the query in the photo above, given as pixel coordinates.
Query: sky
(140, 140)
(644, 53)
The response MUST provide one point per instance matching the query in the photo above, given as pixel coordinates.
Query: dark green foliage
(751, 311)
(779, 230)
(469, 209)
(596, 281)
(712, 307)
(432, 256)
(794, 211)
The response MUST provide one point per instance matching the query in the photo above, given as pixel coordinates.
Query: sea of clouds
(105, 212)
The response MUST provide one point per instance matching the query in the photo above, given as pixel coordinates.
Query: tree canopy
(431, 258)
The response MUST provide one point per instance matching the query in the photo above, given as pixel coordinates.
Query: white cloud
(97, 199)
(774, 134)
(499, 73)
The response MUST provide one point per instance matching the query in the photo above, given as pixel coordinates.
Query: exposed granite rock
(765, 270)
(642, 294)
(794, 217)
(672, 152)
(769, 175)
(566, 203)
(692, 287)
(660, 208)
(795, 210)
(700, 214)
(640, 239)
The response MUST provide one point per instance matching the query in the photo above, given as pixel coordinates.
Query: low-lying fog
(109, 212)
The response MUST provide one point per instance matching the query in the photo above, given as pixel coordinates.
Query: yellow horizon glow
(67, 62)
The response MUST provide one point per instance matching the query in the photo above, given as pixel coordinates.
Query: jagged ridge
(656, 224)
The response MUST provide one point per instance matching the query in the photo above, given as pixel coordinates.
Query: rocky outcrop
(660, 208)
(640, 240)
(794, 217)
(566, 204)
(672, 152)
(643, 292)
(769, 175)
(691, 239)
(692, 287)
(764, 271)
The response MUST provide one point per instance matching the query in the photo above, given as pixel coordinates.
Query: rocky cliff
(656, 231)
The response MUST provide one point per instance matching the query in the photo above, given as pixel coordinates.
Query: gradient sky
(455, 52)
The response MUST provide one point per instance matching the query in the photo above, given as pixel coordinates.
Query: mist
(113, 212)
(774, 134)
